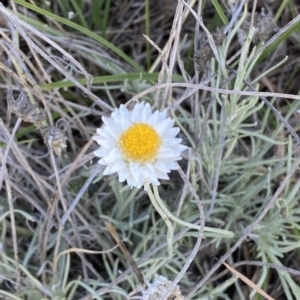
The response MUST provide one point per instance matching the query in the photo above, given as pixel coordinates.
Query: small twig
(203, 87)
(164, 68)
(248, 282)
(256, 263)
(125, 251)
(253, 13)
(176, 28)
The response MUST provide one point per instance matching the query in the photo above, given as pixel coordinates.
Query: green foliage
(239, 119)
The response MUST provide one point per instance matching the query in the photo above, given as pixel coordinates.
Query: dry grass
(65, 64)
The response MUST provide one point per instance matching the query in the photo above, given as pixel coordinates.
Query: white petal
(100, 130)
(130, 181)
(146, 113)
(139, 183)
(123, 174)
(173, 132)
(113, 156)
(145, 172)
(135, 170)
(170, 142)
(154, 181)
(162, 115)
(107, 170)
(123, 123)
(102, 133)
(107, 121)
(108, 144)
(163, 126)
(113, 132)
(162, 166)
(124, 111)
(181, 148)
(153, 119)
(115, 168)
(134, 183)
(137, 113)
(101, 152)
(168, 153)
(102, 161)
(162, 175)
(172, 165)
(150, 167)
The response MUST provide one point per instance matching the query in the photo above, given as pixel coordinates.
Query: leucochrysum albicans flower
(139, 145)
(158, 288)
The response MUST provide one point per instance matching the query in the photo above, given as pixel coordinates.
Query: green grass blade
(220, 11)
(110, 78)
(85, 31)
(105, 17)
(79, 14)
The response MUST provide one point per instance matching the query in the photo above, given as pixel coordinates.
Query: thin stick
(259, 264)
(125, 251)
(248, 282)
(197, 87)
(253, 13)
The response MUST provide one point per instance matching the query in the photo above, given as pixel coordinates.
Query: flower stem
(155, 203)
(169, 214)
(163, 211)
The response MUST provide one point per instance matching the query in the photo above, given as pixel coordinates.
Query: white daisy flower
(138, 145)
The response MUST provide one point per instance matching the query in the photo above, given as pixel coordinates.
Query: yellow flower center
(139, 143)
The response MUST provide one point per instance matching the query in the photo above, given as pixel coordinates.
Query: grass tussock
(227, 72)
